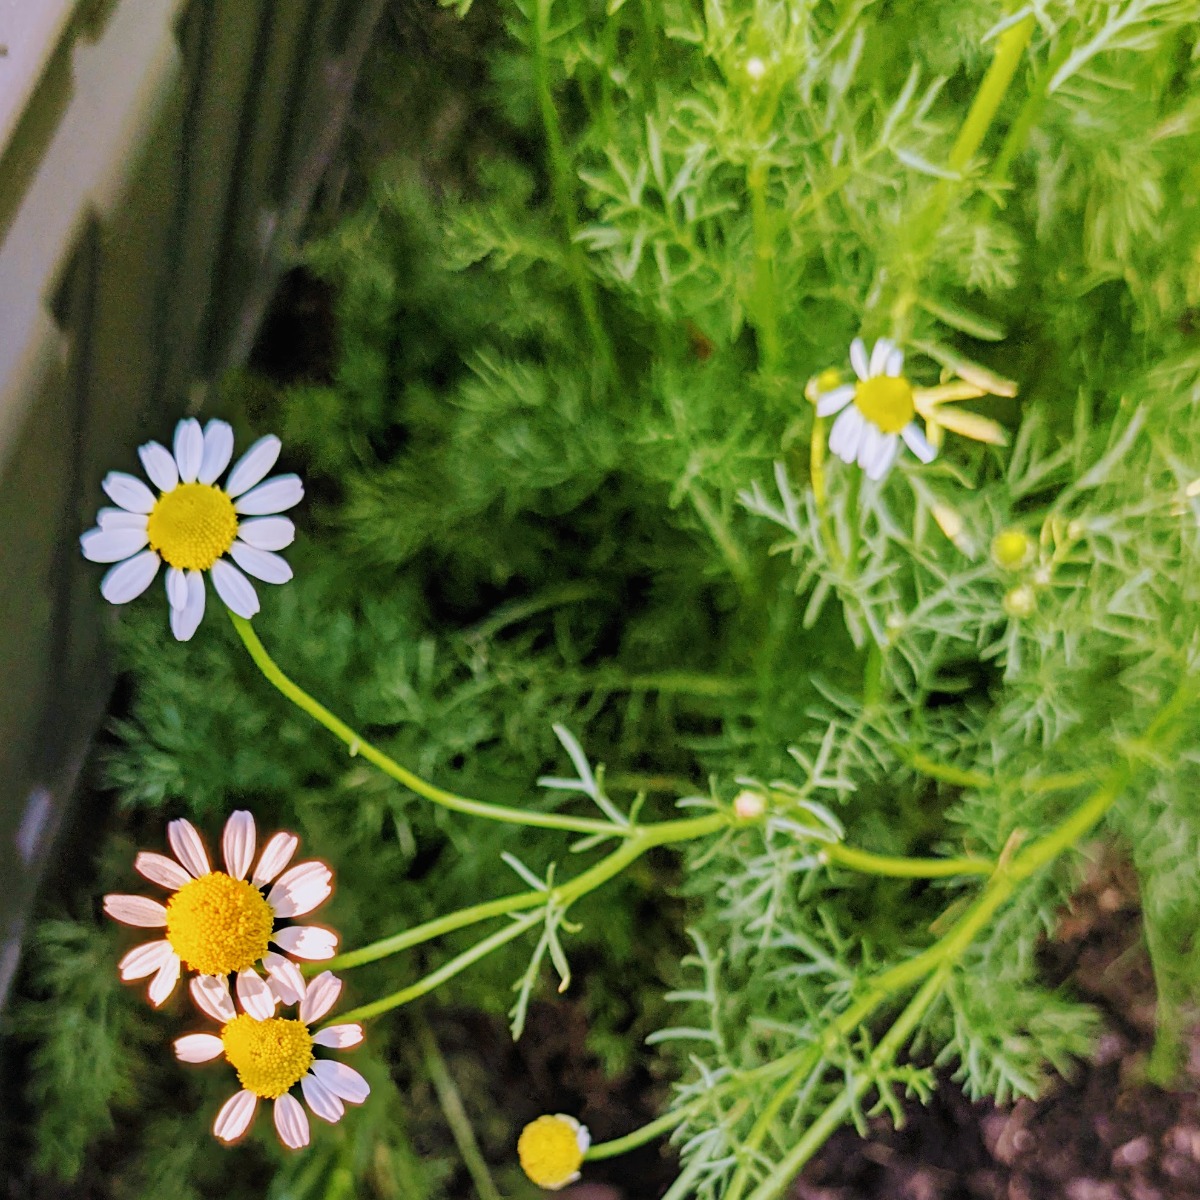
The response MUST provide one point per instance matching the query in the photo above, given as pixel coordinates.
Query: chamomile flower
(551, 1150)
(271, 1055)
(196, 526)
(220, 923)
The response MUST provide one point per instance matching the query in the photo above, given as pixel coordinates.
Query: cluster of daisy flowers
(220, 925)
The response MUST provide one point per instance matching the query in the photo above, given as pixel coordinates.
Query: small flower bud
(749, 805)
(755, 68)
(551, 1150)
(1012, 549)
(1020, 602)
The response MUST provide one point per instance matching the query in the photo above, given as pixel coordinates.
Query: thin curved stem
(869, 863)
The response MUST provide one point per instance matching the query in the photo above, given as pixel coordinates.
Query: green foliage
(563, 476)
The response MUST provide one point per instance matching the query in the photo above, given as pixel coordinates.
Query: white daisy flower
(219, 923)
(876, 412)
(271, 1055)
(194, 525)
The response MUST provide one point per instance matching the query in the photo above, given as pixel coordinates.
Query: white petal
(306, 941)
(111, 545)
(276, 855)
(342, 1080)
(163, 984)
(129, 579)
(188, 847)
(879, 355)
(846, 434)
(235, 589)
(320, 997)
(321, 1100)
(160, 869)
(835, 401)
(253, 466)
(301, 890)
(288, 983)
(267, 533)
(262, 564)
(129, 492)
(144, 960)
(218, 450)
(237, 843)
(159, 466)
(868, 443)
(136, 910)
(885, 455)
(275, 496)
(254, 995)
(185, 621)
(177, 589)
(858, 359)
(895, 363)
(583, 1135)
(340, 1037)
(290, 1122)
(198, 1047)
(118, 518)
(917, 442)
(235, 1116)
(211, 994)
(189, 448)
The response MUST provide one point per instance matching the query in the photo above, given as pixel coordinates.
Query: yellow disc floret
(192, 526)
(1012, 549)
(886, 401)
(218, 925)
(269, 1056)
(551, 1151)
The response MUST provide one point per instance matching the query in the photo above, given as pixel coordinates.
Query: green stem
(360, 746)
(943, 772)
(763, 291)
(868, 863)
(639, 1137)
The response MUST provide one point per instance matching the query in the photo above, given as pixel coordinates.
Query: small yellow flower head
(749, 805)
(551, 1150)
(1012, 549)
(1020, 602)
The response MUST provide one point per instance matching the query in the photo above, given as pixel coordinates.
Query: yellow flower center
(1012, 548)
(269, 1056)
(218, 925)
(192, 526)
(549, 1151)
(886, 401)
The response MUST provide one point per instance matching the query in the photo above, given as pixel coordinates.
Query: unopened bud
(1012, 549)
(1020, 602)
(749, 806)
(756, 68)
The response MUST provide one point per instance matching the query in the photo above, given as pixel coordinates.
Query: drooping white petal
(186, 620)
(883, 458)
(188, 847)
(847, 430)
(198, 1047)
(895, 363)
(111, 545)
(868, 443)
(262, 564)
(163, 984)
(858, 359)
(237, 843)
(321, 1100)
(218, 450)
(211, 994)
(306, 941)
(267, 533)
(301, 889)
(340, 1037)
(160, 869)
(290, 1122)
(234, 589)
(286, 980)
(342, 1080)
(159, 466)
(177, 589)
(253, 466)
(320, 997)
(917, 442)
(144, 960)
(276, 855)
(879, 355)
(129, 579)
(254, 996)
(129, 492)
(136, 910)
(835, 401)
(275, 496)
(189, 448)
(235, 1116)
(118, 518)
